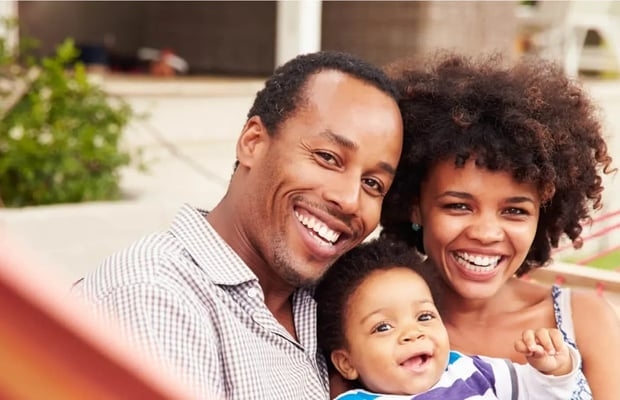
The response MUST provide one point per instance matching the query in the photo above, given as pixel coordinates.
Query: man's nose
(345, 194)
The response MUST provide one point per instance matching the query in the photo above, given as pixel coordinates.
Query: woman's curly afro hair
(528, 119)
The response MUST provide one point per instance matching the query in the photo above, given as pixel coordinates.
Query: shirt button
(252, 292)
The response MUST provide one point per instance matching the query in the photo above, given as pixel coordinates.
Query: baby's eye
(382, 327)
(426, 317)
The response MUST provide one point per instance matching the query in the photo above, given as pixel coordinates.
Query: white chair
(560, 29)
(599, 16)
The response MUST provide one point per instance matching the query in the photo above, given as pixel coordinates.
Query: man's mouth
(319, 230)
(477, 263)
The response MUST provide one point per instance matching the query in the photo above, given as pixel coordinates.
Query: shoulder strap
(563, 313)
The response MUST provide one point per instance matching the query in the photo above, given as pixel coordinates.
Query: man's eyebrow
(346, 143)
(387, 167)
(339, 139)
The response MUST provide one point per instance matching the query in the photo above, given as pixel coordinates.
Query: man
(224, 298)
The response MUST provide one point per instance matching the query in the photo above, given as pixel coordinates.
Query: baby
(379, 326)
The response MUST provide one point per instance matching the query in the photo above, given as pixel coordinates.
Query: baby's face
(396, 341)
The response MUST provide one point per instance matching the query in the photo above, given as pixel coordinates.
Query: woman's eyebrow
(453, 193)
(520, 199)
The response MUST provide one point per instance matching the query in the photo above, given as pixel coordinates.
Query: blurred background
(189, 72)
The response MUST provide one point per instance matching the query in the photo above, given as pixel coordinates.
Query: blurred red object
(52, 348)
(163, 62)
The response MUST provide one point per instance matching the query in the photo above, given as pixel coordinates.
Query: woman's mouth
(477, 263)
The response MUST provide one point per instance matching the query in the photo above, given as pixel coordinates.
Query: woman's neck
(456, 308)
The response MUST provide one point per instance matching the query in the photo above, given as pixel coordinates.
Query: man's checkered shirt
(186, 297)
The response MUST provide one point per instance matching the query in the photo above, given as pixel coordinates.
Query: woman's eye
(457, 206)
(516, 211)
(382, 327)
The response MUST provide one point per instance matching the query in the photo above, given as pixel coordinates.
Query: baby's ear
(340, 358)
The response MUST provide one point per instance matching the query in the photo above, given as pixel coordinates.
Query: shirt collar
(208, 249)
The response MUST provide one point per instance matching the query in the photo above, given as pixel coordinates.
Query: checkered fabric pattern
(186, 297)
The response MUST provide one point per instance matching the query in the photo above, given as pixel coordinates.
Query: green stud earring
(416, 227)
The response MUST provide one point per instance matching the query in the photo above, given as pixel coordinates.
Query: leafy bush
(59, 132)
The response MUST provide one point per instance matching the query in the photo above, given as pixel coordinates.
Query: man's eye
(374, 185)
(327, 157)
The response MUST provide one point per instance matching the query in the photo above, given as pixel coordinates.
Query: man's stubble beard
(285, 266)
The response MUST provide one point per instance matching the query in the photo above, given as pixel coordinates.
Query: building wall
(238, 37)
(233, 37)
(213, 36)
(120, 24)
(384, 31)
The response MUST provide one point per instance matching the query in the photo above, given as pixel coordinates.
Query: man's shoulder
(154, 260)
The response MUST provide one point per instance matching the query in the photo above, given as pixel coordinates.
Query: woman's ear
(252, 141)
(415, 216)
(340, 359)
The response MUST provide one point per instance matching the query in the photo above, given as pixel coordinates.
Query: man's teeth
(477, 263)
(318, 227)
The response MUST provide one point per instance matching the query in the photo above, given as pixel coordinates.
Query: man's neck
(277, 293)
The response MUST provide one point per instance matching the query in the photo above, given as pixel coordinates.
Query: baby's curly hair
(345, 276)
(528, 119)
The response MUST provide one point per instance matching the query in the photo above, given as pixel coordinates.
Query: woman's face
(478, 225)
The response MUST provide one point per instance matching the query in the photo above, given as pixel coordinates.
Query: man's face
(316, 186)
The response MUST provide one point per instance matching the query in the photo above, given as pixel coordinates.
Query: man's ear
(340, 359)
(250, 144)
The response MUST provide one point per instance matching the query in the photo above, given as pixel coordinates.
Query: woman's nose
(486, 229)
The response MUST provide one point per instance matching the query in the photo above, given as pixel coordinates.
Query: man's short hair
(284, 90)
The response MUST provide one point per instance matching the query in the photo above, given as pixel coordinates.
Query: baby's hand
(546, 351)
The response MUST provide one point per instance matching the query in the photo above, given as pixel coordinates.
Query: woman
(498, 163)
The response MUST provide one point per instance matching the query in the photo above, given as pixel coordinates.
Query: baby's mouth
(417, 362)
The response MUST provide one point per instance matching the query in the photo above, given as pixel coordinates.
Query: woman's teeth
(477, 263)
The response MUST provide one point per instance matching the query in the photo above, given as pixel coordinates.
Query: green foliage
(59, 132)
